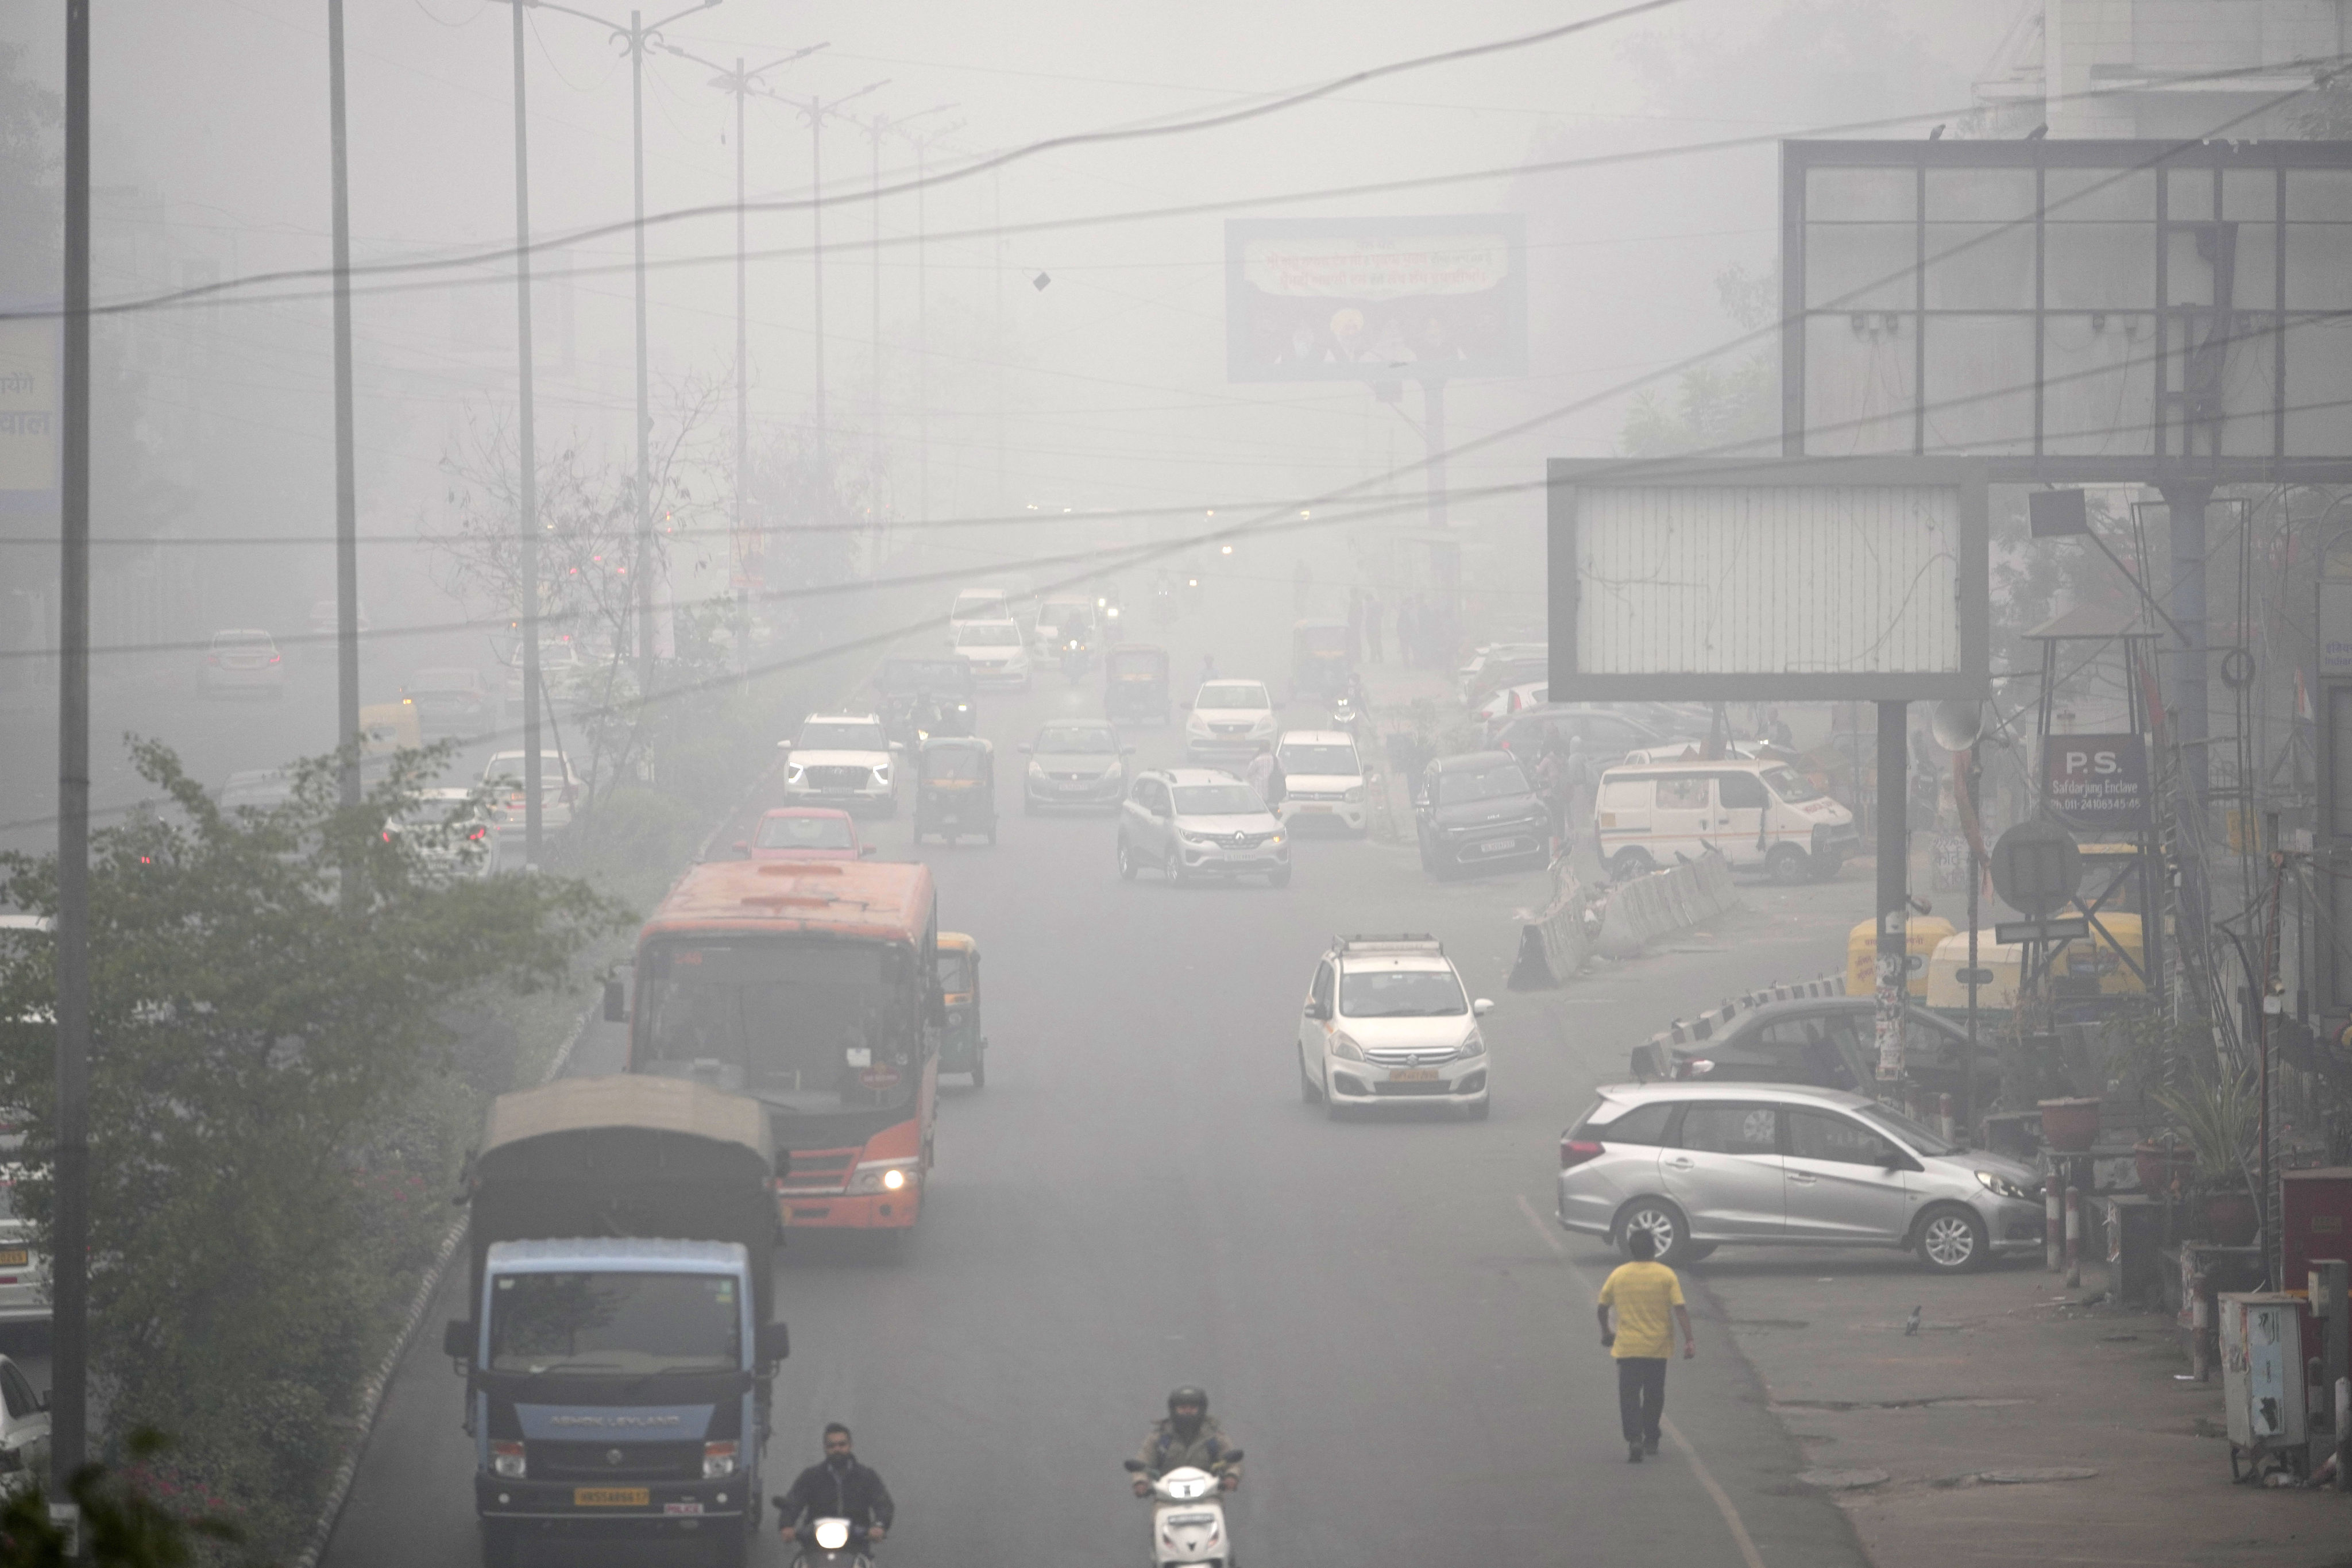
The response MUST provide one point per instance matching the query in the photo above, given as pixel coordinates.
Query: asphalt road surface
(1384, 1311)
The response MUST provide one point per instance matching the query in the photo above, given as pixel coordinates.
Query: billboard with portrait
(1351, 298)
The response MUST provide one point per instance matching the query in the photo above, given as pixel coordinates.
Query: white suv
(1388, 1020)
(841, 758)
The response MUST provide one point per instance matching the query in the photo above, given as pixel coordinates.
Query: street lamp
(638, 35)
(738, 82)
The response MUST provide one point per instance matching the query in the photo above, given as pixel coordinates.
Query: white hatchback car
(995, 650)
(1388, 1021)
(1322, 780)
(1231, 720)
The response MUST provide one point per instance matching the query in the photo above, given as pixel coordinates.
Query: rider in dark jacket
(840, 1488)
(1189, 1436)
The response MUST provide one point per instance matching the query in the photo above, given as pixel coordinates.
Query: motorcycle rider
(1189, 1436)
(840, 1488)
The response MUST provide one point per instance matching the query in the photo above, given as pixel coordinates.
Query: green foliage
(2218, 1116)
(125, 1521)
(255, 1043)
(31, 217)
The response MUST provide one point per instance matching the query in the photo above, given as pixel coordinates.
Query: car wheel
(1628, 864)
(980, 1070)
(1825, 868)
(1477, 1109)
(1332, 1108)
(1171, 870)
(1663, 1220)
(1126, 861)
(1278, 879)
(1953, 1240)
(1787, 864)
(1310, 1091)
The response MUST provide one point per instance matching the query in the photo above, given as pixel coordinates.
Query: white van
(1757, 814)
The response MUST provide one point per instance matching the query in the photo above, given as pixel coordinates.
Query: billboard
(30, 418)
(1349, 299)
(2098, 783)
(1685, 579)
(2077, 309)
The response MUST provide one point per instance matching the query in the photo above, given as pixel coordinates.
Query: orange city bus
(812, 986)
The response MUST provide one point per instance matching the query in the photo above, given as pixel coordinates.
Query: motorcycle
(1077, 657)
(1348, 717)
(1188, 1516)
(839, 1544)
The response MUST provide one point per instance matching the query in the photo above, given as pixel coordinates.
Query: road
(1384, 1312)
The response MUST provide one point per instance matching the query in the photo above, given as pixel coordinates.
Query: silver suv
(1387, 1020)
(1198, 823)
(1703, 1165)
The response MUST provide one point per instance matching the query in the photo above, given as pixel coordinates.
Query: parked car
(1703, 1165)
(1756, 815)
(805, 832)
(24, 1265)
(1607, 733)
(560, 791)
(23, 1427)
(1826, 1042)
(1503, 664)
(1388, 1020)
(451, 700)
(1230, 720)
(845, 760)
(1479, 810)
(1200, 823)
(245, 663)
(1075, 763)
(1322, 781)
(995, 651)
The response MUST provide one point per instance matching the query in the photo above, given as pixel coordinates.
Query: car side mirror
(899, 747)
(1026, 749)
(1132, 1466)
(1314, 1009)
(1481, 1007)
(616, 1001)
(457, 1339)
(774, 1343)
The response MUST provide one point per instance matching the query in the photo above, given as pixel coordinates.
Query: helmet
(1188, 1394)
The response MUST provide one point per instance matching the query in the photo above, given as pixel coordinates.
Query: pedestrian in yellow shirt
(1643, 1293)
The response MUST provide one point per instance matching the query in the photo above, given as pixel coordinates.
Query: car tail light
(212, 658)
(1574, 1151)
(387, 836)
(276, 658)
(479, 834)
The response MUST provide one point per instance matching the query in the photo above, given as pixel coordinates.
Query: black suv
(1828, 1042)
(1479, 810)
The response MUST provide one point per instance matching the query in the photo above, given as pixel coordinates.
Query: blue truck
(621, 1341)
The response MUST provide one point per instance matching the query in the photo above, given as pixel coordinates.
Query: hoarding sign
(1375, 299)
(2097, 781)
(2335, 628)
(30, 415)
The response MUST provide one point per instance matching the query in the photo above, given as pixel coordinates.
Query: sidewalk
(2010, 1372)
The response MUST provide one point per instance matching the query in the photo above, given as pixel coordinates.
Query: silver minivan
(1193, 824)
(1706, 1165)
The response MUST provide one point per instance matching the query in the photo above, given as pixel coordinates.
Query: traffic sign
(2041, 930)
(2035, 868)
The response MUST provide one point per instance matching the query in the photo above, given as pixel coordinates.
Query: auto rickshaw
(1321, 659)
(1135, 684)
(955, 788)
(963, 1046)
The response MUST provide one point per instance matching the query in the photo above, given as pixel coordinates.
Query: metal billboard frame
(2170, 410)
(1967, 476)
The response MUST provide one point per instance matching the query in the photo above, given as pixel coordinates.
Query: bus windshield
(812, 1026)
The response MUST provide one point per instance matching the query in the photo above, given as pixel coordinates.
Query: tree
(123, 1523)
(1720, 407)
(31, 215)
(254, 1047)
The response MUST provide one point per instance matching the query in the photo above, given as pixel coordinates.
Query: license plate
(611, 1497)
(1495, 846)
(13, 1257)
(1305, 806)
(682, 1508)
(1412, 1075)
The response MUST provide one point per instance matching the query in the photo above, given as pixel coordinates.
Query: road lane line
(1739, 1536)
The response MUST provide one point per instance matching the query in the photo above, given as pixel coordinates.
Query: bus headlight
(884, 1176)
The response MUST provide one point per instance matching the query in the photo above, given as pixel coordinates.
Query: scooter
(839, 1544)
(1077, 656)
(1188, 1519)
(1348, 717)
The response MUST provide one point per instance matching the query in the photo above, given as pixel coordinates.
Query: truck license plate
(13, 1257)
(1412, 1075)
(611, 1497)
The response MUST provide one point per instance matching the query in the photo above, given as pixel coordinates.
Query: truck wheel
(1787, 864)
(497, 1545)
(979, 1070)
(731, 1548)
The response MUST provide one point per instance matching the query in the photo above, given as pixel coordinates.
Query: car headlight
(1196, 725)
(719, 1459)
(883, 1177)
(1355, 792)
(1343, 1046)
(1264, 725)
(1473, 1044)
(882, 773)
(792, 773)
(1037, 770)
(506, 1459)
(2001, 1186)
(1189, 836)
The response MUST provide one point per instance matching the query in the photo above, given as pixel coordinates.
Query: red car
(805, 832)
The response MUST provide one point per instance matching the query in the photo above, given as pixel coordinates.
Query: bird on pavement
(1911, 1323)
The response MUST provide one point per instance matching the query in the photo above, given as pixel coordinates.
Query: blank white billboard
(1679, 585)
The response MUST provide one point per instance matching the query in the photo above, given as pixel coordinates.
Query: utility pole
(922, 309)
(874, 132)
(70, 1261)
(527, 462)
(738, 82)
(996, 231)
(347, 551)
(814, 110)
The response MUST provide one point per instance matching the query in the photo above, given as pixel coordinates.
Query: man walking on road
(1642, 1293)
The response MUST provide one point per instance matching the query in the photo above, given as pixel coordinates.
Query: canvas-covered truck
(620, 1338)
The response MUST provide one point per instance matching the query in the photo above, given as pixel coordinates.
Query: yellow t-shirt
(1645, 1295)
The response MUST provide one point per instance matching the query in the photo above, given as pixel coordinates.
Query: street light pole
(347, 554)
(922, 310)
(874, 131)
(526, 461)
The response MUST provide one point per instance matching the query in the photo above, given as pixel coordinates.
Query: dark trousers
(1640, 1396)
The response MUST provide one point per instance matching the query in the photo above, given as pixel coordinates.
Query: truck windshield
(814, 1027)
(614, 1322)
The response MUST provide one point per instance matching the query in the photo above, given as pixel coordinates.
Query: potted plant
(2070, 1125)
(2217, 1119)
(2165, 1163)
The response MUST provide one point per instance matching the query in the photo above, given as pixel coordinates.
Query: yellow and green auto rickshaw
(1135, 684)
(963, 1047)
(955, 788)
(1321, 659)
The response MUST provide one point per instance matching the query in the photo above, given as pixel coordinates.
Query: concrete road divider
(1659, 903)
